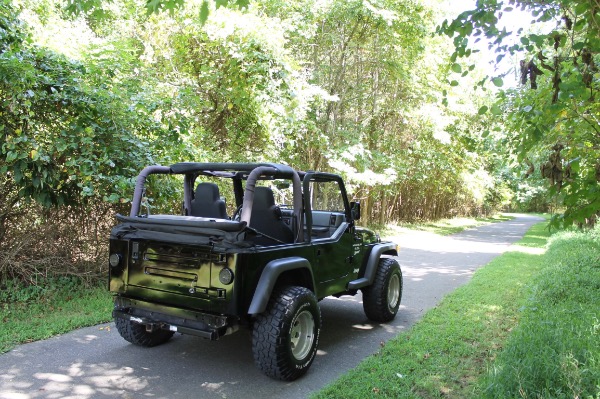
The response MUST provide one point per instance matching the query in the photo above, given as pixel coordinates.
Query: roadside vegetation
(525, 326)
(31, 312)
(91, 93)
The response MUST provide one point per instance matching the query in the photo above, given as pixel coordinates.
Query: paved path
(95, 362)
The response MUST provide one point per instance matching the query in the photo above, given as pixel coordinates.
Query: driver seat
(207, 202)
(266, 219)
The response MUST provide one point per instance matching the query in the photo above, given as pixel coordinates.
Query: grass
(446, 354)
(555, 350)
(58, 305)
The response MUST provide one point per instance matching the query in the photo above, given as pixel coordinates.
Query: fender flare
(269, 277)
(372, 263)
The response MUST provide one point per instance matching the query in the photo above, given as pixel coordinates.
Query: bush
(67, 241)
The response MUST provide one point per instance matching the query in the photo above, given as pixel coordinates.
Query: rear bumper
(155, 316)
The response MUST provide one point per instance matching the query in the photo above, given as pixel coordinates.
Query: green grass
(443, 226)
(447, 352)
(555, 350)
(54, 306)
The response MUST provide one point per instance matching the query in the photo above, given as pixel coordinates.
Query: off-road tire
(381, 299)
(136, 333)
(285, 337)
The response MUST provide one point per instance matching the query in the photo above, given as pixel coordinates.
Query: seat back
(207, 202)
(266, 219)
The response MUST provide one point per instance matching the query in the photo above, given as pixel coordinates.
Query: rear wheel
(381, 299)
(286, 335)
(137, 334)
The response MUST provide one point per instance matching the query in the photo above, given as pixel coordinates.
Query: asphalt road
(95, 362)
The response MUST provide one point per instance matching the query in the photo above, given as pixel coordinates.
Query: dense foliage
(551, 122)
(93, 91)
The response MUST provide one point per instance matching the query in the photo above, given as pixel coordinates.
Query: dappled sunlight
(418, 274)
(212, 386)
(14, 395)
(392, 328)
(79, 380)
(363, 326)
(75, 370)
(345, 298)
(452, 244)
(87, 339)
(53, 377)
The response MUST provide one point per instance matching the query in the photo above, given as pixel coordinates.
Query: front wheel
(381, 299)
(286, 335)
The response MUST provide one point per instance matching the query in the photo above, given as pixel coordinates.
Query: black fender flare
(269, 277)
(378, 251)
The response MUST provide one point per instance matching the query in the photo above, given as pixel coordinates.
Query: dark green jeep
(287, 240)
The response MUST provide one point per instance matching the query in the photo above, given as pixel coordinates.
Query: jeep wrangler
(287, 240)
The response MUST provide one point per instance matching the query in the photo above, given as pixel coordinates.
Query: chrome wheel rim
(393, 293)
(302, 334)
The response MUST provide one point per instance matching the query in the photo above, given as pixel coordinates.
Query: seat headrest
(207, 191)
(263, 197)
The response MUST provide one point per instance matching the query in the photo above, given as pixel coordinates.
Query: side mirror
(355, 210)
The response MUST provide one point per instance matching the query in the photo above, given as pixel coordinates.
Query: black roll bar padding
(140, 184)
(249, 191)
(298, 208)
(307, 204)
(248, 200)
(188, 189)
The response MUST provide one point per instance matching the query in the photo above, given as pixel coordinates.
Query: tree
(557, 107)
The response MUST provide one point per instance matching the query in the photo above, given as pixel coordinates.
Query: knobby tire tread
(375, 296)
(269, 347)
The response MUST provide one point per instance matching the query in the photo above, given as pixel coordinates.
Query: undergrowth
(31, 312)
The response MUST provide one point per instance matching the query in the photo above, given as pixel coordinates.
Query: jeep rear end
(171, 286)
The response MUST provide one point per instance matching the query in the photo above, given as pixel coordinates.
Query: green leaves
(496, 110)
(155, 6)
(456, 68)
(63, 140)
(556, 66)
(204, 11)
(497, 81)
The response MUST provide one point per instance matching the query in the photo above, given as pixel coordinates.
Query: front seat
(266, 219)
(207, 202)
